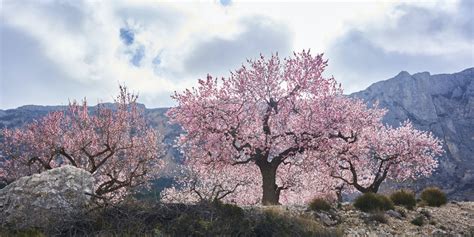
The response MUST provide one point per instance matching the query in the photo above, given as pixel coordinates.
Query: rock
(37, 200)
(364, 216)
(426, 213)
(326, 219)
(438, 232)
(394, 214)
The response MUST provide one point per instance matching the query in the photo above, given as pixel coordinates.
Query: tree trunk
(271, 192)
(374, 188)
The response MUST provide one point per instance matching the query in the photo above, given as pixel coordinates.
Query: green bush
(434, 197)
(274, 222)
(369, 202)
(319, 204)
(210, 219)
(418, 220)
(404, 198)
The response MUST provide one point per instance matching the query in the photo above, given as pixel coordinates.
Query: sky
(56, 51)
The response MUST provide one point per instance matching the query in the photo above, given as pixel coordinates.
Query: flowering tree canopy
(114, 144)
(280, 129)
(269, 114)
(383, 152)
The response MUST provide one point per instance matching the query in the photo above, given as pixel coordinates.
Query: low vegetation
(139, 218)
(319, 204)
(433, 197)
(404, 198)
(152, 218)
(370, 202)
(418, 220)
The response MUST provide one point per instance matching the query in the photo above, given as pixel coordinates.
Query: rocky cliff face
(443, 104)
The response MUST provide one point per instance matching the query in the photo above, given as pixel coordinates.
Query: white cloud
(434, 37)
(77, 46)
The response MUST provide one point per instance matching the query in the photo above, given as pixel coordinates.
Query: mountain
(443, 104)
(156, 118)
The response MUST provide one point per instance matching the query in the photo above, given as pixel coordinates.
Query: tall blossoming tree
(114, 144)
(269, 115)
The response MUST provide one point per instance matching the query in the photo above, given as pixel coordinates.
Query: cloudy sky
(53, 51)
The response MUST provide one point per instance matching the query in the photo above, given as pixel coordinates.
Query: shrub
(419, 220)
(369, 202)
(209, 219)
(274, 222)
(434, 197)
(404, 198)
(319, 204)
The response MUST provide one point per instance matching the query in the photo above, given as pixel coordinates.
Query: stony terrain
(452, 219)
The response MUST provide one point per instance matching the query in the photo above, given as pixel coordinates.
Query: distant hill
(443, 104)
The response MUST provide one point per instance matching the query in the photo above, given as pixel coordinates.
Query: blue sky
(54, 51)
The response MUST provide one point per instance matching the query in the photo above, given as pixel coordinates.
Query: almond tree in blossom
(114, 144)
(281, 131)
(381, 153)
(270, 114)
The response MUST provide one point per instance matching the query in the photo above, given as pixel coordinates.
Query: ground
(452, 219)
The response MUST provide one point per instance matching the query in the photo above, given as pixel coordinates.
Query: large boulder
(40, 199)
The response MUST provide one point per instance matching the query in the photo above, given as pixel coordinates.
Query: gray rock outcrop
(39, 199)
(443, 104)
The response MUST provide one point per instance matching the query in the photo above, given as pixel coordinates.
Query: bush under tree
(404, 198)
(319, 204)
(434, 197)
(370, 202)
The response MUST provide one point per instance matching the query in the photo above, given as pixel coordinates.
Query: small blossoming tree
(382, 153)
(114, 144)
